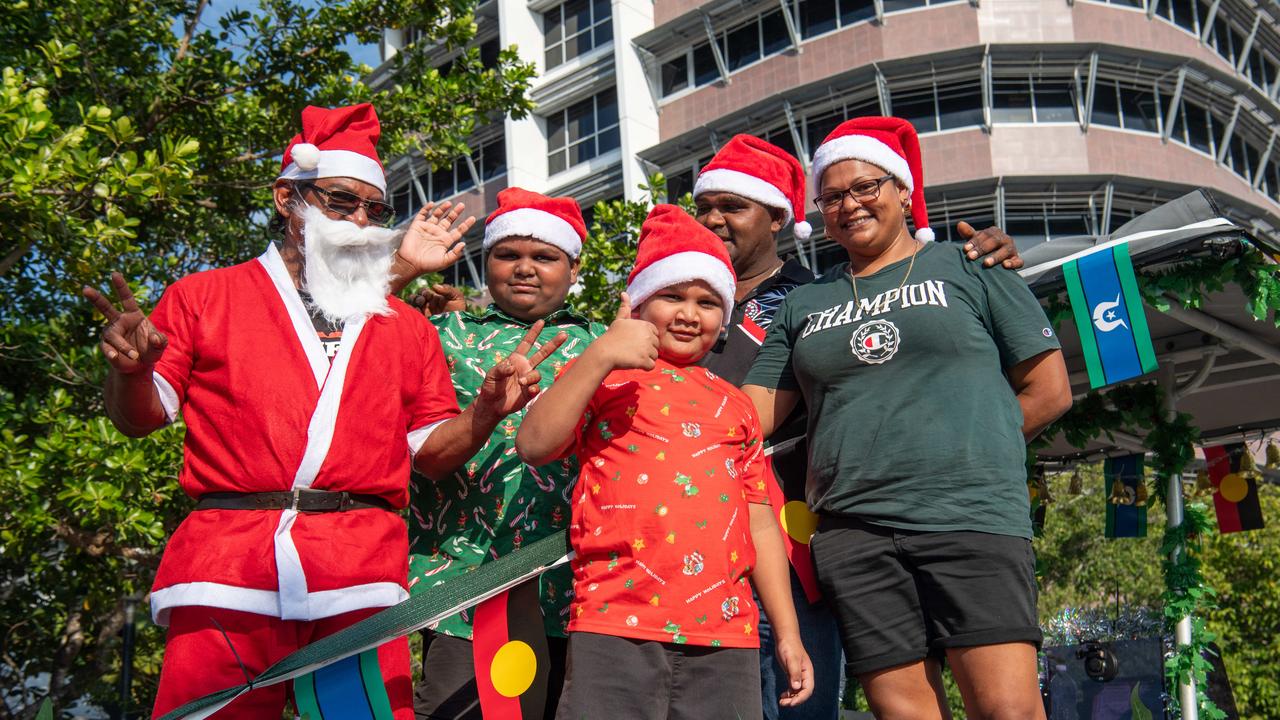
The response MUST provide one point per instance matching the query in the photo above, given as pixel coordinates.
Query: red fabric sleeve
(436, 399)
(173, 317)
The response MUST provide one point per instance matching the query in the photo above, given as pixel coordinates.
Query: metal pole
(1174, 516)
(126, 660)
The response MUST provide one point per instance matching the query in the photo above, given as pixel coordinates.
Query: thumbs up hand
(629, 343)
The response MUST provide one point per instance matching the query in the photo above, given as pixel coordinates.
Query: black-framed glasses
(345, 203)
(862, 193)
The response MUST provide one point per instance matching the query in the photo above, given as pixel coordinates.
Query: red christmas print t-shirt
(670, 459)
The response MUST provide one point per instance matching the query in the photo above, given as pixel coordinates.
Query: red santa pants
(197, 660)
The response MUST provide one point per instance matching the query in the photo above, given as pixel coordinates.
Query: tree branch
(186, 37)
(14, 255)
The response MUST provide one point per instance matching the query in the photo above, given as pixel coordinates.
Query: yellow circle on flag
(797, 521)
(1234, 487)
(513, 668)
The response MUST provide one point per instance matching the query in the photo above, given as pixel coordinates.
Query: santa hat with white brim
(556, 221)
(761, 171)
(889, 143)
(674, 248)
(336, 142)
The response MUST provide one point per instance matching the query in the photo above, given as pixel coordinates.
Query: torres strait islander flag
(509, 644)
(350, 689)
(1235, 491)
(1109, 316)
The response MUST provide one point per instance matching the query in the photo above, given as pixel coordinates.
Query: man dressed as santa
(307, 391)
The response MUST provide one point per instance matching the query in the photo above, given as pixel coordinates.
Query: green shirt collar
(564, 314)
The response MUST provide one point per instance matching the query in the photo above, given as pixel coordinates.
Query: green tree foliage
(1079, 568)
(610, 249)
(143, 137)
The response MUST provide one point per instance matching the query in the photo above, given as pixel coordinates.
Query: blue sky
(367, 54)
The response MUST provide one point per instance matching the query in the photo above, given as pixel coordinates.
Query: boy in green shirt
(494, 504)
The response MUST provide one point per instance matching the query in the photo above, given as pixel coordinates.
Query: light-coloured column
(526, 140)
(637, 111)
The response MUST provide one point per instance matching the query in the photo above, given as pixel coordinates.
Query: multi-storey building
(1046, 117)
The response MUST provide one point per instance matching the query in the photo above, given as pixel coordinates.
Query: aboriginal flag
(797, 523)
(1126, 496)
(509, 643)
(1235, 490)
(350, 689)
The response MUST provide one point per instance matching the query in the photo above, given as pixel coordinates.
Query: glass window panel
(603, 9)
(1139, 106)
(607, 108)
(400, 201)
(603, 33)
(899, 5)
(679, 183)
(493, 161)
(489, 53)
(1255, 68)
(582, 151)
(1060, 225)
(1220, 38)
(817, 17)
(1010, 100)
(609, 140)
(916, 108)
(462, 173)
(575, 45)
(556, 137)
(704, 65)
(1184, 14)
(554, 55)
(556, 162)
(853, 11)
(1106, 106)
(1199, 127)
(1025, 228)
(675, 75)
(1164, 9)
(1055, 101)
(773, 33)
(552, 29)
(818, 128)
(581, 120)
(743, 45)
(960, 105)
(577, 16)
(442, 182)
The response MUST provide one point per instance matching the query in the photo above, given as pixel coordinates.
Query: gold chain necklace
(853, 279)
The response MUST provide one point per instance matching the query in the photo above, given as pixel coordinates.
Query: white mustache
(346, 234)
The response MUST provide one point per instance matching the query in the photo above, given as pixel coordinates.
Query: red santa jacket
(265, 411)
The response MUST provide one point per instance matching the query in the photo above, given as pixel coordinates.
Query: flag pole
(1187, 699)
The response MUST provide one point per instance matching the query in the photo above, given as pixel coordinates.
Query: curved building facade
(1046, 117)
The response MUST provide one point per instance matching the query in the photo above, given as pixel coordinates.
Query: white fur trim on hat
(534, 223)
(866, 149)
(748, 186)
(337, 163)
(684, 267)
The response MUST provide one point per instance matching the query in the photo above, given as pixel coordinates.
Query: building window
(575, 27)
(449, 180)
(583, 131)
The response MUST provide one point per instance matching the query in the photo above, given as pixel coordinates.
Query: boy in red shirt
(670, 513)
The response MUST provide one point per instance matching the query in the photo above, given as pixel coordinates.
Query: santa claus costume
(268, 411)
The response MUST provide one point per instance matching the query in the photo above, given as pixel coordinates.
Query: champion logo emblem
(875, 342)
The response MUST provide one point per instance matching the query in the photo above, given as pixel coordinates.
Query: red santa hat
(886, 142)
(523, 213)
(336, 142)
(675, 248)
(761, 171)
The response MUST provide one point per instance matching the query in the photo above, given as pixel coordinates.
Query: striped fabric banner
(350, 689)
(1109, 316)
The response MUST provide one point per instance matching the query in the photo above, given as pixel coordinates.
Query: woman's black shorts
(900, 596)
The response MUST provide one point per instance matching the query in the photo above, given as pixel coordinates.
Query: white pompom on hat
(336, 142)
(889, 143)
(761, 171)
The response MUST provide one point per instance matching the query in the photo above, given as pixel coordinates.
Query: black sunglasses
(345, 203)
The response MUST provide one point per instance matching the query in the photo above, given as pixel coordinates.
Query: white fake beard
(347, 268)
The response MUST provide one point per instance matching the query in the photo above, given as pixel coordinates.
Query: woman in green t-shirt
(924, 377)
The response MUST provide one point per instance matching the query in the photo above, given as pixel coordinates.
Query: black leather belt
(302, 500)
